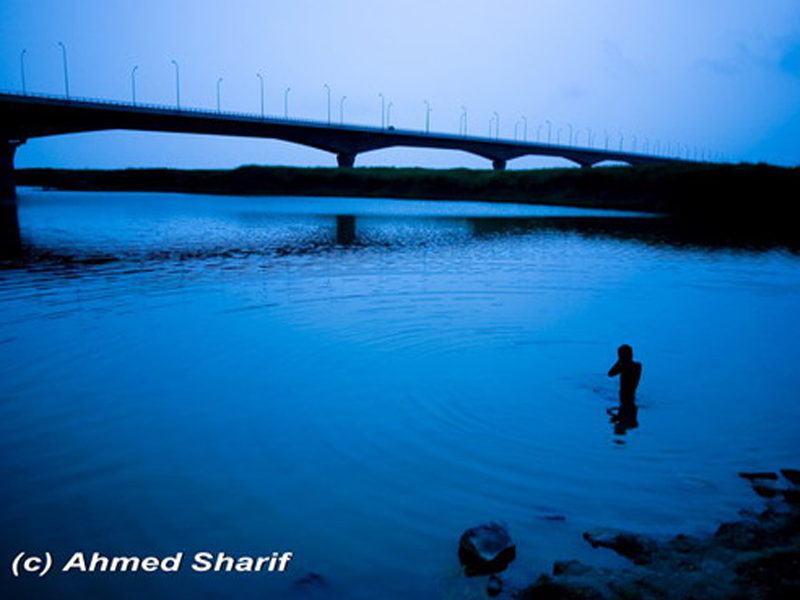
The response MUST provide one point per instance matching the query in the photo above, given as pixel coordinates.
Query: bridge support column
(10, 243)
(346, 159)
(499, 164)
(8, 149)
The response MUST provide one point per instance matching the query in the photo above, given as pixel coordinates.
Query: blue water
(189, 373)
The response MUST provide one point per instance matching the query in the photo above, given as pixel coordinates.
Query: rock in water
(494, 587)
(637, 548)
(793, 475)
(486, 549)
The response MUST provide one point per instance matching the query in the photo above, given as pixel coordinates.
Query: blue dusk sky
(718, 79)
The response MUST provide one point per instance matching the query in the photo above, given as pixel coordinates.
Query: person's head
(625, 352)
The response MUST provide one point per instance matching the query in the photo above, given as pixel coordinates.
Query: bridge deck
(24, 117)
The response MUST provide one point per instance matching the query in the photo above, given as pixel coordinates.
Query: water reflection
(329, 231)
(624, 417)
(345, 229)
(652, 230)
(10, 239)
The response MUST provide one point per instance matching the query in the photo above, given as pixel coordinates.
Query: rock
(791, 495)
(684, 544)
(766, 489)
(774, 574)
(570, 567)
(494, 587)
(792, 475)
(742, 535)
(756, 475)
(486, 549)
(637, 548)
(546, 588)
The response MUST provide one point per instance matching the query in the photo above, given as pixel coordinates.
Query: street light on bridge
(341, 110)
(219, 104)
(286, 102)
(133, 83)
(328, 90)
(261, 89)
(463, 119)
(22, 70)
(66, 71)
(524, 128)
(496, 126)
(177, 84)
(427, 116)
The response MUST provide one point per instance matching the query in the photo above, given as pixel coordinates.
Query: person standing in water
(629, 371)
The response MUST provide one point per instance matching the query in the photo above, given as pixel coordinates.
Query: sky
(713, 79)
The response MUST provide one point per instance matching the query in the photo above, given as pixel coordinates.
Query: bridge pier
(346, 159)
(10, 242)
(499, 164)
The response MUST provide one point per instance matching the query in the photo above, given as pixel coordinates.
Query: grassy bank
(730, 192)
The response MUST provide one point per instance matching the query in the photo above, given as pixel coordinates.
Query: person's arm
(615, 370)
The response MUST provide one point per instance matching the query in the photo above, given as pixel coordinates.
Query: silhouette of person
(629, 372)
(625, 416)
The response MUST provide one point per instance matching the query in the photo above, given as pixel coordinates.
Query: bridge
(24, 117)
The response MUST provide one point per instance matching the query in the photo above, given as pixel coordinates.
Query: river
(359, 381)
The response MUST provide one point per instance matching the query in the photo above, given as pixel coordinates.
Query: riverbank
(757, 557)
(674, 189)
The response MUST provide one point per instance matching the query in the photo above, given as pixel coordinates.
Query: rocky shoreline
(754, 558)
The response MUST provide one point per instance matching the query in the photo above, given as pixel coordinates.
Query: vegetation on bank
(735, 191)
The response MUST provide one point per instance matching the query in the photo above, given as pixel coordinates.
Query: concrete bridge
(23, 117)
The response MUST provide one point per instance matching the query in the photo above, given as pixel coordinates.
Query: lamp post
(177, 84)
(328, 90)
(427, 116)
(286, 102)
(261, 89)
(22, 71)
(66, 71)
(463, 119)
(496, 125)
(524, 128)
(549, 131)
(569, 126)
(133, 83)
(219, 104)
(383, 110)
(341, 110)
